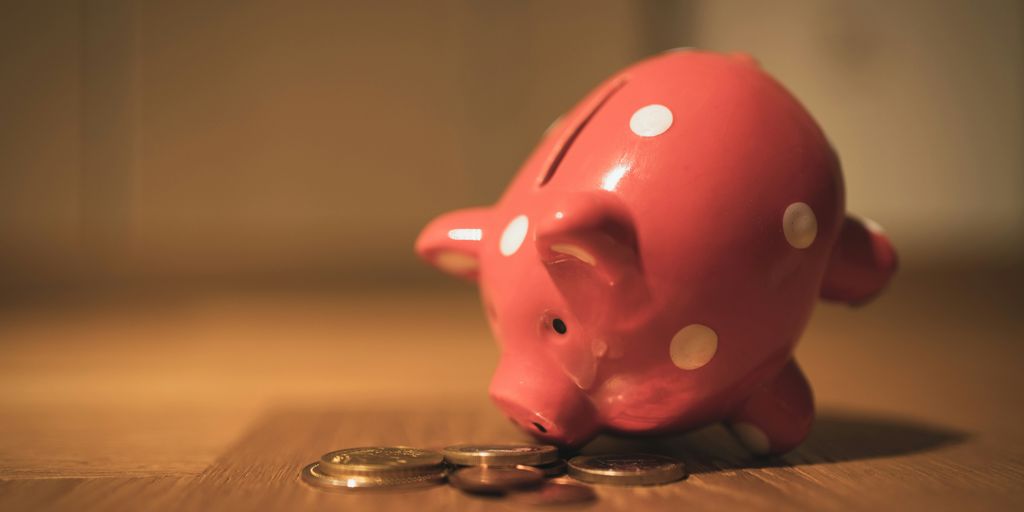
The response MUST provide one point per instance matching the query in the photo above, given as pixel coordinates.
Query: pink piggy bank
(656, 258)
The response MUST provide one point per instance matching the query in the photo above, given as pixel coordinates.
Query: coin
(380, 460)
(556, 468)
(626, 469)
(313, 476)
(500, 454)
(495, 479)
(558, 491)
(551, 469)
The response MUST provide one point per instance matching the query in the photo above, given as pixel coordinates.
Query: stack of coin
(499, 468)
(522, 472)
(376, 468)
(516, 470)
(541, 456)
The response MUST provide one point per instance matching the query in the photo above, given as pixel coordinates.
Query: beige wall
(162, 139)
(40, 149)
(923, 99)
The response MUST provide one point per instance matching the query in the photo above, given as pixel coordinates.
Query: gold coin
(626, 469)
(495, 479)
(313, 476)
(500, 454)
(379, 460)
(558, 491)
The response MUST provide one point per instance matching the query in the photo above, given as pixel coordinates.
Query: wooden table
(214, 400)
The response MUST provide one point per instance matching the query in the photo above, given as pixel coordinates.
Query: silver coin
(558, 491)
(495, 479)
(500, 454)
(550, 470)
(313, 476)
(626, 469)
(379, 460)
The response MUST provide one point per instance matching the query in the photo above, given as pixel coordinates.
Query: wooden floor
(214, 401)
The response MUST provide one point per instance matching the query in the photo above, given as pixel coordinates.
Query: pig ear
(589, 247)
(862, 263)
(452, 241)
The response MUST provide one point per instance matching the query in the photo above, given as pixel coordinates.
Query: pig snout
(543, 401)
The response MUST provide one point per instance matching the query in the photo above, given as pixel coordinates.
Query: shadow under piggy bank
(837, 436)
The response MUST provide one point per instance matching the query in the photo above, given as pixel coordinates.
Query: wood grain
(851, 459)
(215, 401)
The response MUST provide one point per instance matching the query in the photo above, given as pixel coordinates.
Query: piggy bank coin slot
(560, 155)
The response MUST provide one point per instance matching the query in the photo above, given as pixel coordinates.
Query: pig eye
(559, 326)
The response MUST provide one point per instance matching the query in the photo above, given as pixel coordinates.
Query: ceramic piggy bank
(652, 265)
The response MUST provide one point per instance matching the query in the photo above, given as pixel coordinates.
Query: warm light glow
(610, 181)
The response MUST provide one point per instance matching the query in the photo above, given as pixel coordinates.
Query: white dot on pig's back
(693, 346)
(514, 235)
(651, 121)
(799, 225)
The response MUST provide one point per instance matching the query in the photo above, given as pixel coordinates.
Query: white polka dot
(455, 262)
(799, 225)
(514, 235)
(753, 438)
(651, 121)
(471, 234)
(693, 346)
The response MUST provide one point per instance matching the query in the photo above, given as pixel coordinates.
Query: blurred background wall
(308, 141)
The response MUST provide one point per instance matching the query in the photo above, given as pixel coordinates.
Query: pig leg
(778, 416)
